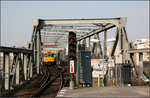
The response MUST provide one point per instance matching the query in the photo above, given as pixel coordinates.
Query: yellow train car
(49, 58)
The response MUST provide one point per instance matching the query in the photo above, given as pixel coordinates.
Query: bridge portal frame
(107, 23)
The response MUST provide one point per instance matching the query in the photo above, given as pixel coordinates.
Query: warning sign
(98, 64)
(71, 66)
(97, 73)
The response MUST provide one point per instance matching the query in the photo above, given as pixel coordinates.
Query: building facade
(142, 44)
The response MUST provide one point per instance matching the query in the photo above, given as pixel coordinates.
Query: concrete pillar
(25, 66)
(7, 71)
(18, 71)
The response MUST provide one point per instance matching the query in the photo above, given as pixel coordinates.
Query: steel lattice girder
(118, 22)
(56, 34)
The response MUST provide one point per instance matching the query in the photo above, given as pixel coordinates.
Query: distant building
(51, 47)
(138, 44)
(142, 44)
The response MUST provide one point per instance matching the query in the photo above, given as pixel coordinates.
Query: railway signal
(72, 43)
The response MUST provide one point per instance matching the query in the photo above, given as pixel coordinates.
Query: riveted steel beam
(109, 26)
(147, 50)
(115, 21)
(14, 50)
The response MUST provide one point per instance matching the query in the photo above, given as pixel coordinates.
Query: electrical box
(126, 73)
(84, 67)
(118, 59)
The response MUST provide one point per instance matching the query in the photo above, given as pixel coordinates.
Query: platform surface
(106, 92)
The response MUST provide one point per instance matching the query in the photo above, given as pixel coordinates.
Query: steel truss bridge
(27, 62)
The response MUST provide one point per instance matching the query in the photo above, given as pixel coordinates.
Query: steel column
(18, 70)
(25, 66)
(31, 62)
(120, 41)
(124, 45)
(105, 43)
(38, 53)
(115, 43)
(31, 67)
(33, 45)
(116, 75)
(80, 42)
(84, 42)
(90, 43)
(31, 70)
(35, 52)
(7, 71)
(99, 51)
(96, 46)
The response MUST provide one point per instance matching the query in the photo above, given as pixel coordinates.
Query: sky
(16, 16)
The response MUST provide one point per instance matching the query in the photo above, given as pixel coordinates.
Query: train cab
(49, 58)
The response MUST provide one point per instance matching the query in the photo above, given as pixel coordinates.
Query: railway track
(47, 85)
(52, 82)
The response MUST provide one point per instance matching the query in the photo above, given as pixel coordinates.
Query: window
(52, 55)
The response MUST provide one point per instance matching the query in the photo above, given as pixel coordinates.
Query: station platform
(106, 92)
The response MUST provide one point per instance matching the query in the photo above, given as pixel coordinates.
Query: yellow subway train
(49, 58)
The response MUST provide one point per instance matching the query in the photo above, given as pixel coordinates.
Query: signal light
(71, 40)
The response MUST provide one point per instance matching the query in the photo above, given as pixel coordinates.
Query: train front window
(47, 55)
(52, 55)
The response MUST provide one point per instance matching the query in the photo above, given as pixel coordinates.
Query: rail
(52, 76)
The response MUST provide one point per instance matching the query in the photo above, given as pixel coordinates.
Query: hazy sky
(16, 17)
